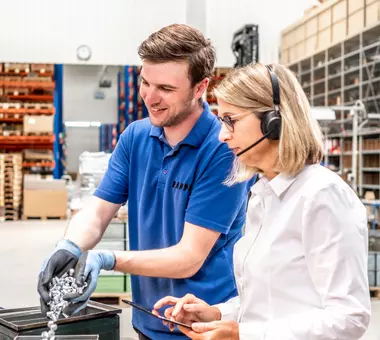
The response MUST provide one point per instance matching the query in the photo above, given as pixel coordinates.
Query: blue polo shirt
(166, 187)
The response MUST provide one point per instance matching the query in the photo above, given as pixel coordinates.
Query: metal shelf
(371, 169)
(371, 186)
(334, 61)
(319, 81)
(349, 134)
(370, 152)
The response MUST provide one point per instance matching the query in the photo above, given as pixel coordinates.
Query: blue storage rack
(128, 107)
(59, 128)
(107, 137)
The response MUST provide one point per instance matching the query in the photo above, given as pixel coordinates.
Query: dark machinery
(97, 321)
(245, 45)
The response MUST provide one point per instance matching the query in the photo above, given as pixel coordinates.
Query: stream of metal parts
(58, 288)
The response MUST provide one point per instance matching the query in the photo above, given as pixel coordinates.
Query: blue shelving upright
(128, 108)
(59, 128)
(107, 137)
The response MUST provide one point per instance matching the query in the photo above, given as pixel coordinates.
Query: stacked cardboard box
(44, 197)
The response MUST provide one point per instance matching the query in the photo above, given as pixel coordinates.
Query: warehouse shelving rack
(23, 95)
(30, 90)
(344, 75)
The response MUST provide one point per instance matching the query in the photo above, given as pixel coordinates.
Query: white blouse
(301, 267)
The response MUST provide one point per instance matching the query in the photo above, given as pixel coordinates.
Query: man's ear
(200, 88)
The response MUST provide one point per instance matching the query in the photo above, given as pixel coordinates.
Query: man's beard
(173, 120)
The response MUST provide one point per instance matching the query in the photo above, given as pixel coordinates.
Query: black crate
(96, 319)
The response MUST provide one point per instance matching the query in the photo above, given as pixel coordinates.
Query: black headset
(271, 120)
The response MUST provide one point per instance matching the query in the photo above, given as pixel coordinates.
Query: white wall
(224, 17)
(79, 85)
(49, 31)
(78, 140)
(79, 104)
(196, 14)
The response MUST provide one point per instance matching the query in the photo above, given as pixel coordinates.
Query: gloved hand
(64, 257)
(87, 271)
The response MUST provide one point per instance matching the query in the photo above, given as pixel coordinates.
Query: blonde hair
(301, 140)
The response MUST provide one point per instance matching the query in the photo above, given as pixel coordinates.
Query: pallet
(21, 91)
(10, 133)
(7, 106)
(43, 218)
(11, 155)
(9, 218)
(38, 134)
(37, 79)
(111, 298)
(16, 68)
(42, 68)
(38, 106)
(10, 79)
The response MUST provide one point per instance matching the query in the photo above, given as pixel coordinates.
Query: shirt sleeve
(212, 204)
(114, 185)
(230, 309)
(335, 239)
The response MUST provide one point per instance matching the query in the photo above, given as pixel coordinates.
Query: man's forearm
(84, 230)
(87, 227)
(173, 262)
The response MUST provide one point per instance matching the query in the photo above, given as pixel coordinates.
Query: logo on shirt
(181, 186)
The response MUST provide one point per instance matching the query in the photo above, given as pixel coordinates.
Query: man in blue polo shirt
(183, 221)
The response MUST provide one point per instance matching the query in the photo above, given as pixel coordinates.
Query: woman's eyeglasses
(229, 121)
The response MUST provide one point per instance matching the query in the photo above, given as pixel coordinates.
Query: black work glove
(64, 257)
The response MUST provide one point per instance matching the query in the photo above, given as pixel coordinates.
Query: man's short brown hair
(180, 42)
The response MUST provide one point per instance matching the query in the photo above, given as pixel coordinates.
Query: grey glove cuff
(69, 246)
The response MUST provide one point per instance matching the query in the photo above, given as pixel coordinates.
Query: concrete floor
(24, 245)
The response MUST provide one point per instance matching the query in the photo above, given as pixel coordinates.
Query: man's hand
(87, 271)
(188, 310)
(216, 330)
(64, 257)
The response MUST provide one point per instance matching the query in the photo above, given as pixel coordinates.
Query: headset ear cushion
(271, 122)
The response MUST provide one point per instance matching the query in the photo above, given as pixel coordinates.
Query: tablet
(156, 316)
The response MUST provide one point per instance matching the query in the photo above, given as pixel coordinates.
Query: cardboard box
(38, 155)
(339, 11)
(38, 124)
(339, 31)
(356, 22)
(372, 13)
(45, 203)
(354, 5)
(324, 19)
(35, 182)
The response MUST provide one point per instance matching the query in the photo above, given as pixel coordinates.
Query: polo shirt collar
(197, 134)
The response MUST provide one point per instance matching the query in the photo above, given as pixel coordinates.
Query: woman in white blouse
(301, 266)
